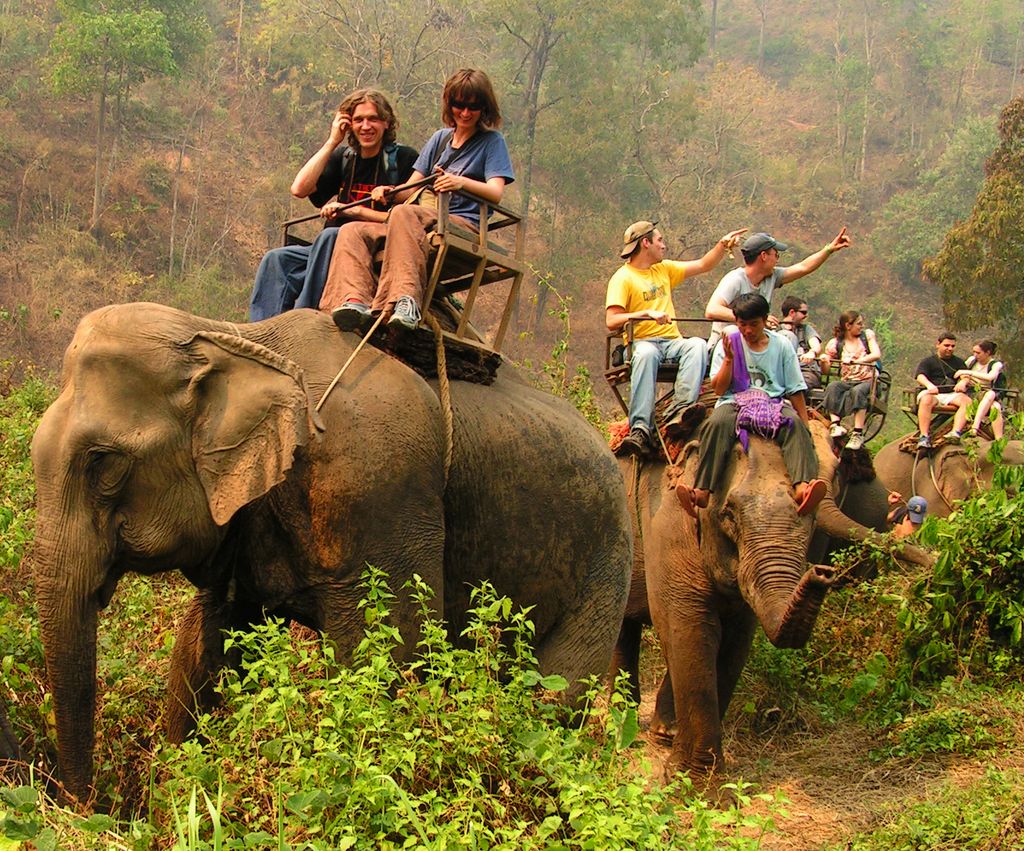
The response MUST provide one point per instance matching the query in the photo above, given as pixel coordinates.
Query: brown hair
(471, 85)
(846, 319)
(384, 110)
(987, 346)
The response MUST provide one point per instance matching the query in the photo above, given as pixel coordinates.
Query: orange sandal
(814, 491)
(686, 499)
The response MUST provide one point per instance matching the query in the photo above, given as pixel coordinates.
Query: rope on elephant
(444, 386)
(351, 358)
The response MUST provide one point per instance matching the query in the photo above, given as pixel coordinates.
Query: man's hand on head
(340, 127)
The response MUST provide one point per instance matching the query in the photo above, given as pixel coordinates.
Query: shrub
(463, 747)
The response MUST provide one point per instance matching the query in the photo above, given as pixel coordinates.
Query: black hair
(749, 306)
(946, 335)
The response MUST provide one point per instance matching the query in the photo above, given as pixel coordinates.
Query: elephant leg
(732, 655)
(580, 643)
(692, 655)
(197, 658)
(626, 657)
(664, 721)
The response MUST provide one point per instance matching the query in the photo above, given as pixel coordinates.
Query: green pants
(718, 434)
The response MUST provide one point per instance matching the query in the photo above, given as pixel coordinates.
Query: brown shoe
(681, 425)
(637, 442)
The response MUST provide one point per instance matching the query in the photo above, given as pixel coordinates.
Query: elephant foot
(664, 732)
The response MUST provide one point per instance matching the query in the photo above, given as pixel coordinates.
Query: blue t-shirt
(483, 156)
(776, 370)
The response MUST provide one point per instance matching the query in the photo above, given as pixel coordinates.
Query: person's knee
(645, 355)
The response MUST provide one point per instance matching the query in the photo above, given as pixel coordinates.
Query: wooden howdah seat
(461, 262)
(943, 414)
(879, 407)
(618, 354)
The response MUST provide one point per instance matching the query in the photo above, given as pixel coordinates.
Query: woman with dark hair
(857, 351)
(987, 374)
(467, 154)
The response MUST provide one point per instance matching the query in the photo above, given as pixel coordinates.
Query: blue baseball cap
(917, 508)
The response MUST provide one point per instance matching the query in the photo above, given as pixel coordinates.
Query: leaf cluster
(461, 747)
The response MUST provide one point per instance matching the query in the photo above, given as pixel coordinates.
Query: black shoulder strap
(446, 141)
(391, 163)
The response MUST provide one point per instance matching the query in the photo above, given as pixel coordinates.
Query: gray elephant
(706, 585)
(183, 443)
(948, 473)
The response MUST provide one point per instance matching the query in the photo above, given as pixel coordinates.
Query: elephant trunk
(67, 617)
(831, 520)
(785, 599)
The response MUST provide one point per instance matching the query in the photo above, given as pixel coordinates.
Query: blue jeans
(647, 357)
(293, 276)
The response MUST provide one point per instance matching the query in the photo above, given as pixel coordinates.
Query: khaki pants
(404, 270)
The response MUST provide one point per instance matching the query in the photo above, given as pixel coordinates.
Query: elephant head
(153, 401)
(752, 535)
(944, 476)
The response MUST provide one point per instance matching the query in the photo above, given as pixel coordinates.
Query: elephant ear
(250, 413)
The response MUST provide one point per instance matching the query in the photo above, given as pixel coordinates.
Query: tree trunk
(97, 183)
(713, 28)
(762, 7)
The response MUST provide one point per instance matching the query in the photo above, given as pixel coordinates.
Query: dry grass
(833, 787)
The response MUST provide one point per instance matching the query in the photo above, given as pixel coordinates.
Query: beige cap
(634, 233)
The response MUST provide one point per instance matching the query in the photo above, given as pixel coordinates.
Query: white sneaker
(855, 442)
(836, 431)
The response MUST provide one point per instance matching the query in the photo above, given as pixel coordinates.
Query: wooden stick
(351, 358)
(362, 201)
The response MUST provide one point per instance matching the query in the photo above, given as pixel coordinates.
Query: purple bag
(756, 411)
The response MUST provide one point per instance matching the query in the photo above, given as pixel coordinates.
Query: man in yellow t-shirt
(642, 290)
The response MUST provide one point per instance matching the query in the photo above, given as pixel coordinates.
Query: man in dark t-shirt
(360, 153)
(937, 375)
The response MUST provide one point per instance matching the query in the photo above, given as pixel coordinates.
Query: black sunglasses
(472, 105)
(804, 312)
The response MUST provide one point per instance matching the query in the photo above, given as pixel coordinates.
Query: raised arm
(305, 181)
(813, 261)
(714, 255)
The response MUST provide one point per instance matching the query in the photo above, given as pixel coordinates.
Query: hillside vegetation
(147, 148)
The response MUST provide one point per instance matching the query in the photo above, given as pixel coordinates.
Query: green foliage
(978, 265)
(98, 48)
(574, 385)
(461, 747)
(969, 613)
(984, 815)
(912, 224)
(19, 413)
(945, 730)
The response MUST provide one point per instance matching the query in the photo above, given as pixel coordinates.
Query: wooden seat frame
(1009, 402)
(463, 261)
(617, 375)
(878, 408)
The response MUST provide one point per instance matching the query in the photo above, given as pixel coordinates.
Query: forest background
(146, 148)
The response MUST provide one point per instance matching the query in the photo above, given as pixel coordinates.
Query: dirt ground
(833, 789)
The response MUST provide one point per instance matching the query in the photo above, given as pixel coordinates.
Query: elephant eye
(106, 469)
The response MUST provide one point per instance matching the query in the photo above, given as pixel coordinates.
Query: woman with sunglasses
(467, 154)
